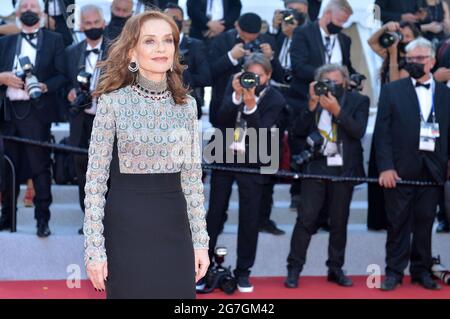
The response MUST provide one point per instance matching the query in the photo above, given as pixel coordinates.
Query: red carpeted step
(265, 288)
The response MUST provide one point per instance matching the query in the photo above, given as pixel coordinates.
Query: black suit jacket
(278, 73)
(222, 68)
(162, 4)
(392, 10)
(197, 12)
(397, 132)
(198, 73)
(308, 54)
(351, 126)
(267, 115)
(49, 68)
(76, 55)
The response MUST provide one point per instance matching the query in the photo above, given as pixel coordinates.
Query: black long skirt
(147, 237)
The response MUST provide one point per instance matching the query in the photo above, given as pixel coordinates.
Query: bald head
(122, 8)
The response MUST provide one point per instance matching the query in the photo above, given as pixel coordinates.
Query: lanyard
(433, 113)
(329, 51)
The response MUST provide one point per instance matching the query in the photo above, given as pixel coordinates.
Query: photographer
(227, 54)
(83, 78)
(247, 110)
(334, 122)
(389, 43)
(291, 6)
(197, 75)
(31, 72)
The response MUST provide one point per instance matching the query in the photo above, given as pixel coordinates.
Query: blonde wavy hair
(114, 70)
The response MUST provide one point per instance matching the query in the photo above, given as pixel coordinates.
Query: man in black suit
(197, 75)
(411, 142)
(121, 11)
(319, 43)
(337, 122)
(404, 10)
(60, 11)
(84, 57)
(227, 54)
(25, 115)
(314, 9)
(143, 5)
(209, 18)
(254, 112)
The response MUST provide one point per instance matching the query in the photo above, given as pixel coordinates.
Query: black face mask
(117, 21)
(339, 91)
(415, 70)
(402, 47)
(179, 24)
(333, 29)
(29, 18)
(94, 33)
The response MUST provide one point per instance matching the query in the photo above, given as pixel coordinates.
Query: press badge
(336, 160)
(429, 132)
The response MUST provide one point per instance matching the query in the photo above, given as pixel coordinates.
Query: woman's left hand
(201, 263)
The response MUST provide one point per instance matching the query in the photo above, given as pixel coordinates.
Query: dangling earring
(171, 68)
(133, 66)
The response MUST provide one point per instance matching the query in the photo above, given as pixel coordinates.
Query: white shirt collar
(98, 46)
(430, 81)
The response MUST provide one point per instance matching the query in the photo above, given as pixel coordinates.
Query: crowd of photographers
(293, 82)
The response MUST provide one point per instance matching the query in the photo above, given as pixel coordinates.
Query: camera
(218, 276)
(253, 46)
(315, 142)
(31, 82)
(84, 97)
(291, 15)
(356, 81)
(389, 38)
(249, 80)
(324, 86)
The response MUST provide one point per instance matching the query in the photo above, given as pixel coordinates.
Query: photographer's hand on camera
(238, 89)
(238, 51)
(313, 98)
(43, 87)
(11, 80)
(330, 103)
(267, 50)
(277, 19)
(72, 95)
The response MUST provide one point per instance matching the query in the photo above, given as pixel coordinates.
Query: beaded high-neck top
(154, 135)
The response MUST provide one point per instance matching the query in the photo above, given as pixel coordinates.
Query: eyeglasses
(419, 58)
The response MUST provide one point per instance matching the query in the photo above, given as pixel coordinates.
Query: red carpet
(265, 288)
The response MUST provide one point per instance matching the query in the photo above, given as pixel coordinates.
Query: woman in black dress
(148, 238)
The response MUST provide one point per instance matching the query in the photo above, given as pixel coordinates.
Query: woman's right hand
(98, 274)
(392, 26)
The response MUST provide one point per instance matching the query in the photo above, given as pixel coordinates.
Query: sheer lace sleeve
(100, 155)
(191, 181)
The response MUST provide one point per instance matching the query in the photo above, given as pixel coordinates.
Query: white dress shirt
(425, 97)
(214, 9)
(285, 54)
(325, 126)
(90, 63)
(336, 54)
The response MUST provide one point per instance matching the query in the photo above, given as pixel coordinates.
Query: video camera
(84, 97)
(218, 276)
(30, 80)
(315, 141)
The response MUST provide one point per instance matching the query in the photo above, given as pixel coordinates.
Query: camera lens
(249, 80)
(33, 88)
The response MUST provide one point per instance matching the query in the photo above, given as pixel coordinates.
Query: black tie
(29, 36)
(427, 86)
(95, 51)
